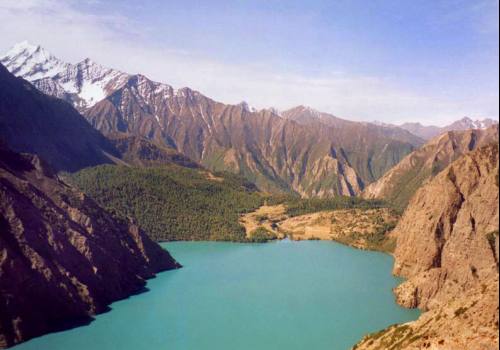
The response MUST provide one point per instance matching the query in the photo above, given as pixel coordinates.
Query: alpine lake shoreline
(362, 229)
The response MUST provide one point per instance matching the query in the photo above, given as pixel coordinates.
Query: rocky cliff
(62, 257)
(400, 183)
(447, 248)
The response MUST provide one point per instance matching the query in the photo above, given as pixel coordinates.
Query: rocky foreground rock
(448, 249)
(62, 257)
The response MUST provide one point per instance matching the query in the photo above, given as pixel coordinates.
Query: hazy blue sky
(394, 61)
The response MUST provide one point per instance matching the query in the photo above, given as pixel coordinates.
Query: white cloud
(118, 42)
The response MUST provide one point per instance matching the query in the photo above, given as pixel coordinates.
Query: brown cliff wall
(447, 248)
(62, 257)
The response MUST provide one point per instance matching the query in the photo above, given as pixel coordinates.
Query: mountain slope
(62, 257)
(370, 149)
(172, 202)
(33, 122)
(346, 128)
(275, 153)
(400, 183)
(447, 249)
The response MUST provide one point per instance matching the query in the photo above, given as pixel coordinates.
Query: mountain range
(65, 255)
(291, 151)
(430, 131)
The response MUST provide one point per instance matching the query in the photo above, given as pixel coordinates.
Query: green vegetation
(406, 185)
(173, 202)
(492, 237)
(262, 235)
(297, 206)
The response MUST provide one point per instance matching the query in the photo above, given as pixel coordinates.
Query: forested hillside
(173, 202)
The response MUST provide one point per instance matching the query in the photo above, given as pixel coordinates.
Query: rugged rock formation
(33, 122)
(62, 257)
(400, 183)
(447, 248)
(275, 152)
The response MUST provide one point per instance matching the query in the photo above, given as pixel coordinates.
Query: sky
(395, 61)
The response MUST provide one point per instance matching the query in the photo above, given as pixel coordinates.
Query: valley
(104, 174)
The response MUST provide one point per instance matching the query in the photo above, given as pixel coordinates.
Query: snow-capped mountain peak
(83, 84)
(32, 62)
(467, 123)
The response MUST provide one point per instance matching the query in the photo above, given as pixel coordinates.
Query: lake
(276, 296)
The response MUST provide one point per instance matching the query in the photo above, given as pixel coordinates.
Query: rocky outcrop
(465, 323)
(62, 257)
(447, 249)
(400, 183)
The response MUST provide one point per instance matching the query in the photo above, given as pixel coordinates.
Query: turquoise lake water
(277, 296)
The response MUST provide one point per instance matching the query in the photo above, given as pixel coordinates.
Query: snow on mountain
(83, 84)
(467, 123)
(428, 132)
(32, 62)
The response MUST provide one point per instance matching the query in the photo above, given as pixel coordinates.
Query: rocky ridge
(400, 183)
(62, 257)
(448, 249)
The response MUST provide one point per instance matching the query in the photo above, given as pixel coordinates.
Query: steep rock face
(443, 240)
(33, 122)
(399, 184)
(62, 257)
(447, 248)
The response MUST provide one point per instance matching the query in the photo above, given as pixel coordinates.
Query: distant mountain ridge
(428, 132)
(275, 151)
